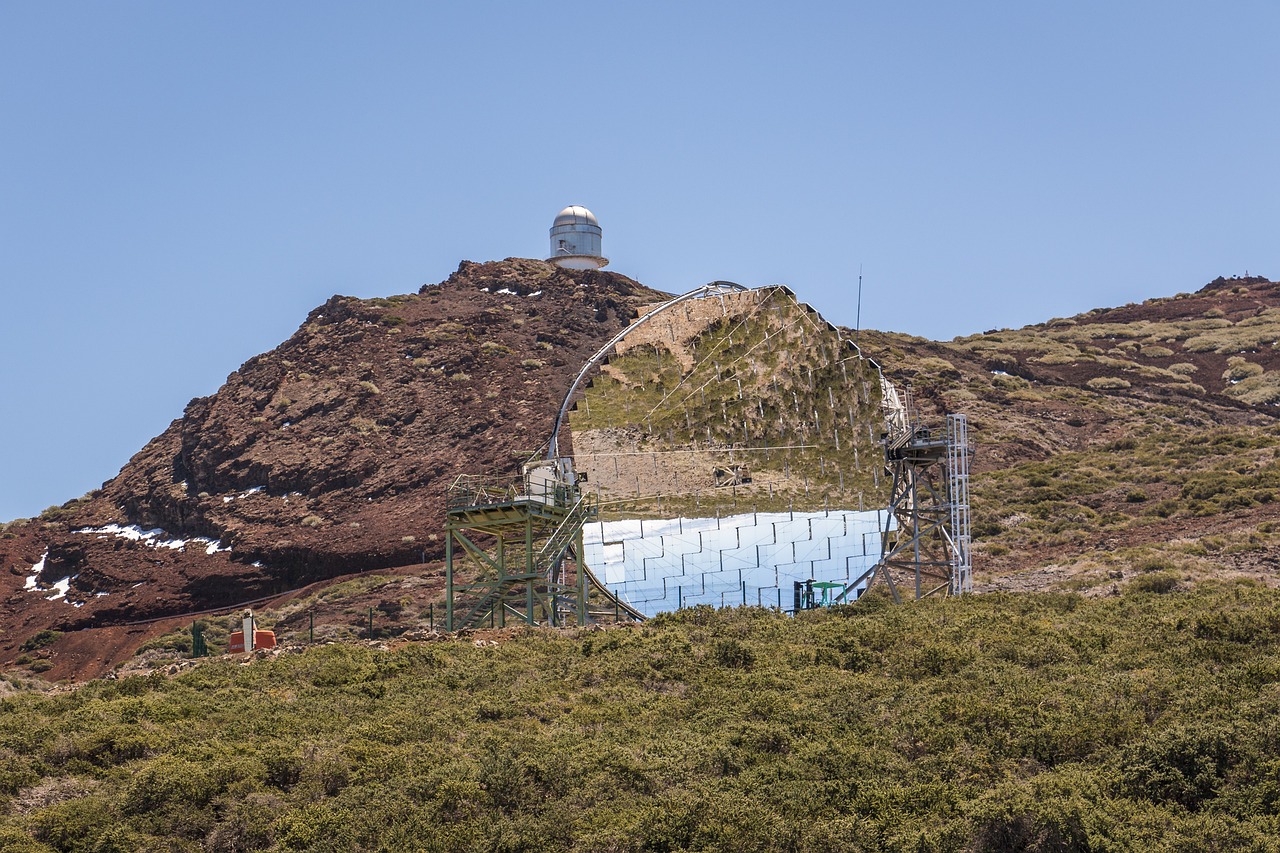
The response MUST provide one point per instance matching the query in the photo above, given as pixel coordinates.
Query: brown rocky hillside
(1128, 445)
(327, 456)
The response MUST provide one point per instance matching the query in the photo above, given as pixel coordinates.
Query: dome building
(575, 240)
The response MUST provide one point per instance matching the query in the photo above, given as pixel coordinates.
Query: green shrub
(1201, 343)
(247, 824)
(1183, 764)
(14, 840)
(733, 654)
(39, 640)
(935, 367)
(113, 744)
(177, 641)
(1107, 383)
(1158, 582)
(1009, 383)
(166, 782)
(1258, 390)
(84, 823)
(1238, 368)
(1056, 358)
(315, 827)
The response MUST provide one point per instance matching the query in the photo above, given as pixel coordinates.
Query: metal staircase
(513, 549)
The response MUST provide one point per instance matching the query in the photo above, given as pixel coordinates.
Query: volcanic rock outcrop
(327, 456)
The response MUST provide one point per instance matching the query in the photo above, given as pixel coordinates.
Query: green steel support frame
(522, 556)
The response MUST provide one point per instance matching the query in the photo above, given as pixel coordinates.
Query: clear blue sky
(182, 182)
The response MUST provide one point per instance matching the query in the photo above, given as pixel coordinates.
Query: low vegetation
(1041, 722)
(1133, 484)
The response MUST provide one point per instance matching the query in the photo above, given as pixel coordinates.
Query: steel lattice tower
(925, 542)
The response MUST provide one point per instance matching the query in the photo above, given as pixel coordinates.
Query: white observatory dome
(576, 214)
(575, 240)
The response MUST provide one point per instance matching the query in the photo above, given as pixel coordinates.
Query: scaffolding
(957, 482)
(513, 549)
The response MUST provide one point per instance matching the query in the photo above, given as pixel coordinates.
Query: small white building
(575, 240)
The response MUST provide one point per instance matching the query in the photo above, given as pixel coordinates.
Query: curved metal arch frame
(711, 289)
(895, 413)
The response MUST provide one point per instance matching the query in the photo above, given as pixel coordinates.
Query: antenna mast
(857, 323)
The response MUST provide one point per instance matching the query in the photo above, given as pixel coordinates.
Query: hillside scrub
(1000, 722)
(1213, 471)
(1096, 443)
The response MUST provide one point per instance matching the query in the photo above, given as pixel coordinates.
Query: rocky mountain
(1127, 445)
(327, 456)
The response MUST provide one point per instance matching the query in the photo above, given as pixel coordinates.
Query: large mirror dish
(732, 437)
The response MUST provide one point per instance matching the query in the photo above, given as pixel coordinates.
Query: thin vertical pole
(915, 528)
(311, 633)
(579, 546)
(448, 577)
(528, 604)
(857, 323)
(528, 568)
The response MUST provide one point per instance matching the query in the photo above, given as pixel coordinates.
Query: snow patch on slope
(155, 538)
(59, 588)
(32, 582)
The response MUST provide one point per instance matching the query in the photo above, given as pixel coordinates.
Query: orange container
(261, 640)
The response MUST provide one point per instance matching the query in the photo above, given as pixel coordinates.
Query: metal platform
(521, 549)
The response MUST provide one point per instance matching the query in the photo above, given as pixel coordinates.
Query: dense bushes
(1045, 722)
